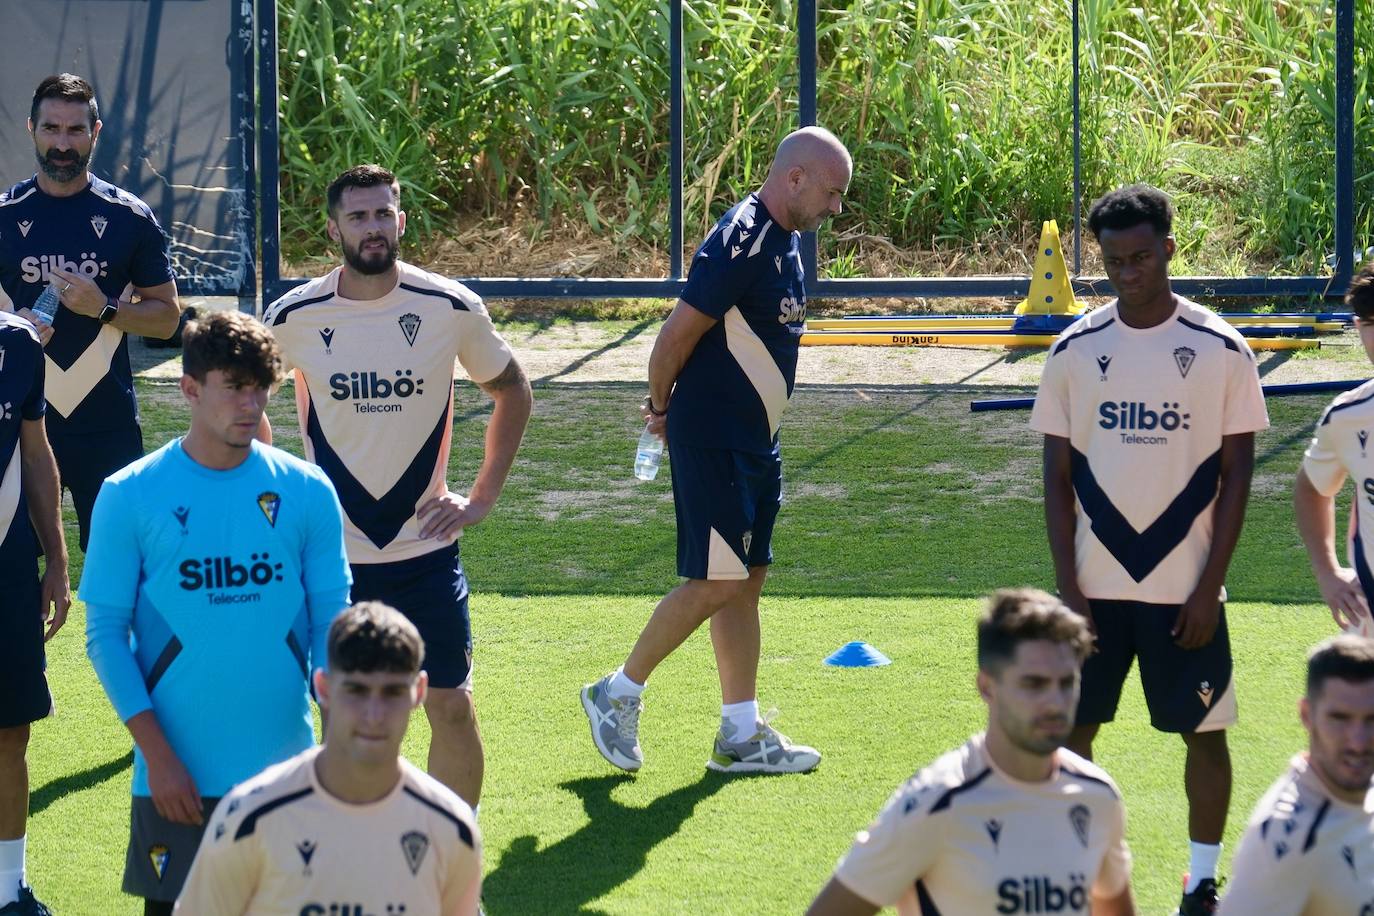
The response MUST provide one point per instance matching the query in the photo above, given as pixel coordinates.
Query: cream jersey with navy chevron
(963, 837)
(281, 845)
(734, 387)
(1304, 852)
(1340, 448)
(21, 398)
(108, 236)
(1145, 411)
(374, 394)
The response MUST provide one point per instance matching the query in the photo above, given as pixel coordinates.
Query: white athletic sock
(741, 718)
(1202, 863)
(11, 869)
(621, 687)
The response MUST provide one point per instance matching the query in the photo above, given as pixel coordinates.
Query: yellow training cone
(1050, 290)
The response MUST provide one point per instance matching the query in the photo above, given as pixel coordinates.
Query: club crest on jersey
(1080, 818)
(307, 850)
(24, 226)
(994, 829)
(98, 223)
(269, 503)
(1204, 693)
(158, 856)
(414, 844)
(181, 514)
(410, 326)
(1364, 439)
(1102, 363)
(327, 335)
(1183, 357)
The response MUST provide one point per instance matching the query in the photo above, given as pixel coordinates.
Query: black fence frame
(1334, 285)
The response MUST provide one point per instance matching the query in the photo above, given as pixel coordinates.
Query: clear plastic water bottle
(648, 455)
(48, 301)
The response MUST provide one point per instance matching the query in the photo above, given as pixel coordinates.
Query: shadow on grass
(629, 335)
(563, 878)
(50, 792)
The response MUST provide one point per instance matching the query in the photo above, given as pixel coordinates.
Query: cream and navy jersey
(963, 837)
(108, 236)
(1304, 853)
(281, 845)
(21, 398)
(735, 385)
(209, 596)
(1145, 411)
(374, 393)
(1340, 448)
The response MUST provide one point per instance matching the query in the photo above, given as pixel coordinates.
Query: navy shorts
(160, 852)
(1186, 690)
(24, 695)
(84, 460)
(726, 503)
(432, 591)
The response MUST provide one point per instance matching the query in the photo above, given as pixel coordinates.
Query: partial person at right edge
(1307, 850)
(1339, 449)
(720, 377)
(1012, 822)
(108, 256)
(1152, 388)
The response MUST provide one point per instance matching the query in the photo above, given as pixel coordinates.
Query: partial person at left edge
(109, 259)
(29, 508)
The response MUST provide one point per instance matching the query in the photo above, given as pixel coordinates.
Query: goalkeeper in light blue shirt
(215, 568)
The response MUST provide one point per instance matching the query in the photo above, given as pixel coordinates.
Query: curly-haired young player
(224, 558)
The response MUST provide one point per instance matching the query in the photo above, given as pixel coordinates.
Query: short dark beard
(354, 259)
(62, 172)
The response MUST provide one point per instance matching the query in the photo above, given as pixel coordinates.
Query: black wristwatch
(649, 406)
(111, 309)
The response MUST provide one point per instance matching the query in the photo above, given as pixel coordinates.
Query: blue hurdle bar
(1274, 391)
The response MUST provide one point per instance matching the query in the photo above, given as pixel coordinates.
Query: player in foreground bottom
(349, 827)
(1309, 846)
(1012, 822)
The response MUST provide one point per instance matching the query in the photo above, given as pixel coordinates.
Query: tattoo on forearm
(512, 376)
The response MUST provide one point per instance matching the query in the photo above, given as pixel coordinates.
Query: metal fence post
(806, 103)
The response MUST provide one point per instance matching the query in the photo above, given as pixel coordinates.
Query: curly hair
(1130, 206)
(236, 344)
(1014, 616)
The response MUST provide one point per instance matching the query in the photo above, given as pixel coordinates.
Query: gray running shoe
(766, 751)
(615, 724)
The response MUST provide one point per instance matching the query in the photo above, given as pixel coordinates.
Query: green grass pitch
(902, 510)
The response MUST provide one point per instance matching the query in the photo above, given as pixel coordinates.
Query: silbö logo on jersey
(1141, 424)
(38, 269)
(228, 580)
(367, 389)
(1041, 894)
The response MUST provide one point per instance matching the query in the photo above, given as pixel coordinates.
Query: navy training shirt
(21, 398)
(109, 236)
(734, 387)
